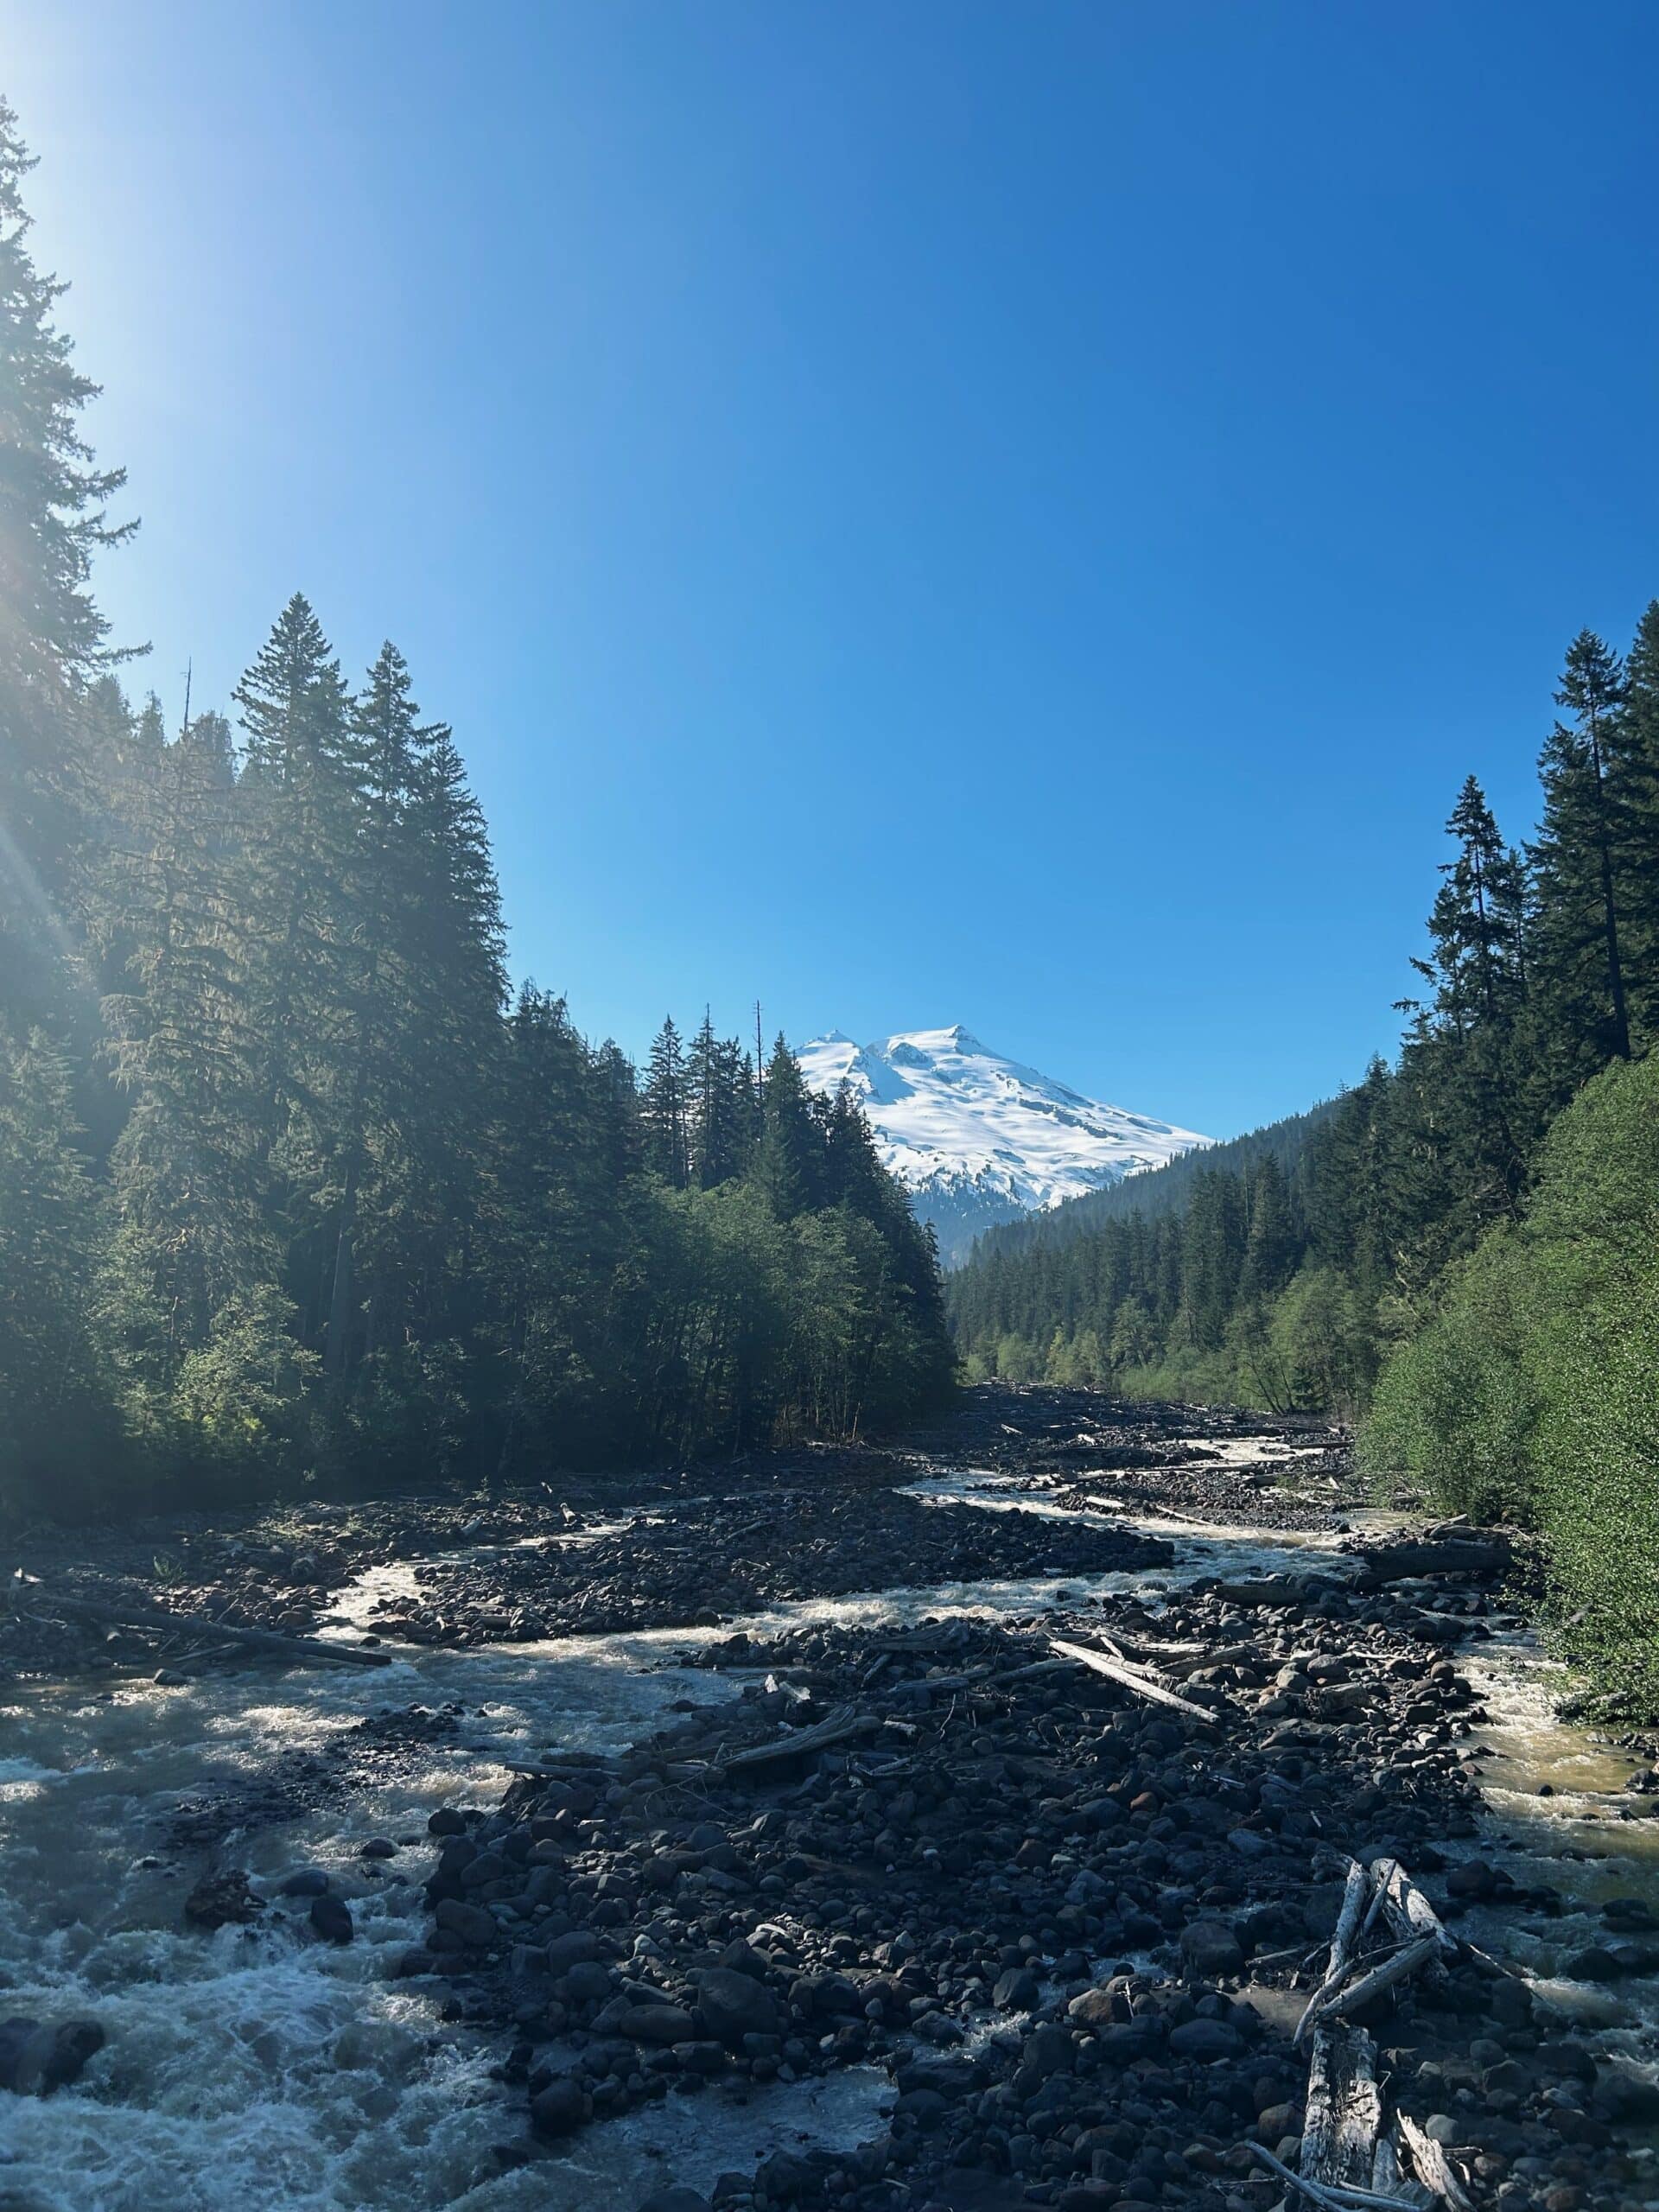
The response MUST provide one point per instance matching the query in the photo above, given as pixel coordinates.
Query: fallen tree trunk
(1330, 2195)
(975, 1678)
(839, 1728)
(1449, 1555)
(1344, 2107)
(1408, 1913)
(1127, 1678)
(1354, 1898)
(1399, 1968)
(1433, 2167)
(1387, 2180)
(303, 1650)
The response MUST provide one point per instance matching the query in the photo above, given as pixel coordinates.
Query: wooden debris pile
(1354, 2157)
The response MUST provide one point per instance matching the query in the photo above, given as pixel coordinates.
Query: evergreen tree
(720, 1106)
(788, 1162)
(55, 1427)
(299, 835)
(1271, 1244)
(1580, 961)
(53, 519)
(663, 1109)
(185, 1201)
(1637, 759)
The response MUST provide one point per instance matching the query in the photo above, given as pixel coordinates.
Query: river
(257, 2068)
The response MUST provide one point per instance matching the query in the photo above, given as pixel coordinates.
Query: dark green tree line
(287, 1185)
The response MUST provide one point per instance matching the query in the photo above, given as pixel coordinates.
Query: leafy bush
(1533, 1388)
(1454, 1410)
(240, 1402)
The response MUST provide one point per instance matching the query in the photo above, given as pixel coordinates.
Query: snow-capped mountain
(978, 1139)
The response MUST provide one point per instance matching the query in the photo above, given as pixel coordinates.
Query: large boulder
(576, 1949)
(1207, 2041)
(331, 1919)
(468, 1923)
(735, 2005)
(36, 2057)
(1211, 1949)
(658, 2023)
(559, 2110)
(219, 1900)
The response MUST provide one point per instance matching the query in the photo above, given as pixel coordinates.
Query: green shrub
(241, 1401)
(1532, 1390)
(1454, 1410)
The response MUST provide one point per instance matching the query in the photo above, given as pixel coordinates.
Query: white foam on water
(1218, 1547)
(258, 2067)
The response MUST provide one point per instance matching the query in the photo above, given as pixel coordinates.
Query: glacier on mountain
(977, 1139)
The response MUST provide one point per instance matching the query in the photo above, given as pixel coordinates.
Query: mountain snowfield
(977, 1139)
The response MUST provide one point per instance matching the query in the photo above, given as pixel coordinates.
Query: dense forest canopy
(289, 1182)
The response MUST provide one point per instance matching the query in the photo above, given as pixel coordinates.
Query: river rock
(219, 1900)
(1472, 1878)
(589, 1982)
(735, 2005)
(559, 2109)
(36, 2058)
(307, 1882)
(573, 1949)
(1206, 2040)
(675, 2199)
(469, 1923)
(331, 1919)
(658, 2023)
(1095, 2008)
(1211, 1949)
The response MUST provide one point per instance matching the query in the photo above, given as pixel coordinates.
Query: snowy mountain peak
(976, 1138)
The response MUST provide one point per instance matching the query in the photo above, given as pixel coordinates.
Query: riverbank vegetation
(1462, 1253)
(288, 1183)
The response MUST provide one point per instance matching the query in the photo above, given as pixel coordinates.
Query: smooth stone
(331, 1919)
(559, 2110)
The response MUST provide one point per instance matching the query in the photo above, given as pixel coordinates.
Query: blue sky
(1020, 514)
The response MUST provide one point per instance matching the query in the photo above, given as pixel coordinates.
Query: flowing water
(259, 2068)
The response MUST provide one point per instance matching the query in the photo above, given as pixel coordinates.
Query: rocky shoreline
(1069, 1918)
(599, 1552)
(1074, 1927)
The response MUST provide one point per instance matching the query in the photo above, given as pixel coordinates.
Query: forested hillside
(1289, 1277)
(1156, 1191)
(288, 1183)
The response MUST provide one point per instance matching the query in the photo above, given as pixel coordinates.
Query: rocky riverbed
(881, 1831)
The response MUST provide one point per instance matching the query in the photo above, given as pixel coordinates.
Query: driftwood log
(1128, 1678)
(302, 1651)
(1353, 1995)
(840, 1728)
(973, 1678)
(1433, 2167)
(1348, 2161)
(1442, 1555)
(1355, 1898)
(1328, 2195)
(1408, 1914)
(1344, 2107)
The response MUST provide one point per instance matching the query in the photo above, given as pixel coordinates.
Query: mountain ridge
(977, 1138)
